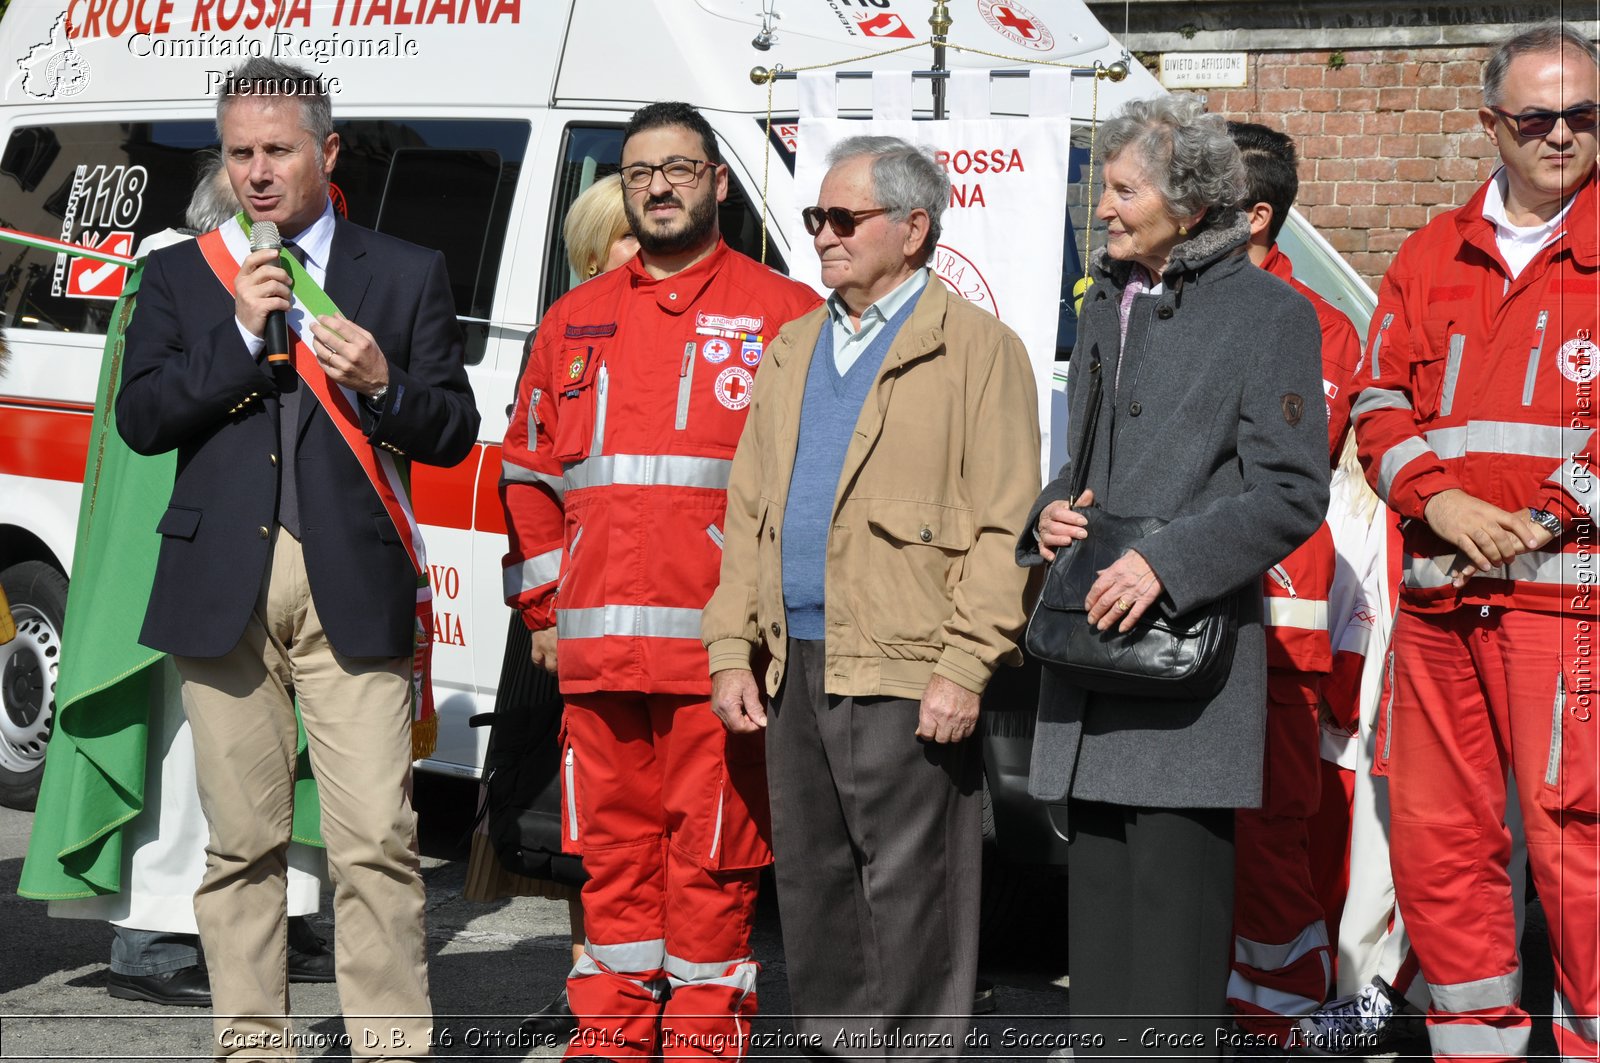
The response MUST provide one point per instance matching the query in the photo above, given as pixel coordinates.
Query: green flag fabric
(94, 772)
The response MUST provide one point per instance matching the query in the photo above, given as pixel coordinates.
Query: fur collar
(1231, 231)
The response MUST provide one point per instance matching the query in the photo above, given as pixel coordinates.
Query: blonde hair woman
(596, 230)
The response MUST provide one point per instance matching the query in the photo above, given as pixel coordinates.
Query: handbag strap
(1080, 467)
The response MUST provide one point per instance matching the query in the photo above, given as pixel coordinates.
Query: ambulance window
(440, 183)
(593, 152)
(104, 184)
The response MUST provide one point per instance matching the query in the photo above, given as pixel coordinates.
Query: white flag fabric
(1002, 241)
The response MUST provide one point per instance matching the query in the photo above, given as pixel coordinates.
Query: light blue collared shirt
(848, 342)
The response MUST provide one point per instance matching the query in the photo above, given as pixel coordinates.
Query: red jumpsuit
(1485, 382)
(1282, 965)
(614, 483)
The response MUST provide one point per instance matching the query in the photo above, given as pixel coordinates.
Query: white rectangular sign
(1004, 226)
(1204, 70)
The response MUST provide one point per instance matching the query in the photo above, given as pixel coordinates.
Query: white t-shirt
(1518, 244)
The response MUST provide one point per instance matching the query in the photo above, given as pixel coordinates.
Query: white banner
(1002, 241)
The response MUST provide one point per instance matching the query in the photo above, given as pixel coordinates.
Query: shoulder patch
(591, 332)
(1294, 407)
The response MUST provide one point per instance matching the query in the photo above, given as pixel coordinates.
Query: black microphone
(264, 237)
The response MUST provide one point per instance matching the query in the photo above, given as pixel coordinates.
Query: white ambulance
(466, 125)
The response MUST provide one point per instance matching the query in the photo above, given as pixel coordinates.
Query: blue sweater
(828, 416)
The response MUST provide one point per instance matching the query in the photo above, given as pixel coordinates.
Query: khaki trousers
(358, 727)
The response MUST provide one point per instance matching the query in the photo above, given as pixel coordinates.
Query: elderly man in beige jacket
(886, 469)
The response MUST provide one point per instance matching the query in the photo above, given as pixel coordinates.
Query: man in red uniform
(1282, 966)
(615, 486)
(1476, 426)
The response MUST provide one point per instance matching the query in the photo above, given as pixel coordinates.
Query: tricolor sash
(225, 248)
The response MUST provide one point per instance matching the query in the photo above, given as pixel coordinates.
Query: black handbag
(1185, 656)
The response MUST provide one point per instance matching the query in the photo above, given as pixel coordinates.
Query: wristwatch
(1546, 520)
(375, 400)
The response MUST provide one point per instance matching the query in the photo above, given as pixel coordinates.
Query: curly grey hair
(213, 201)
(1186, 153)
(1537, 40)
(905, 177)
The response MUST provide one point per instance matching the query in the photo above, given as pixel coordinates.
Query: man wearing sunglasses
(868, 575)
(615, 472)
(1477, 427)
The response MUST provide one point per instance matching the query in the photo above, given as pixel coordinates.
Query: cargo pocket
(741, 834)
(179, 522)
(1573, 762)
(917, 553)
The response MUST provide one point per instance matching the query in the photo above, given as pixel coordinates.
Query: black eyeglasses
(1533, 124)
(677, 172)
(842, 220)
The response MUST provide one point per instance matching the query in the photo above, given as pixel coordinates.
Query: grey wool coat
(1218, 425)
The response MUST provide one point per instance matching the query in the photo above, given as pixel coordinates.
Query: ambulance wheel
(29, 665)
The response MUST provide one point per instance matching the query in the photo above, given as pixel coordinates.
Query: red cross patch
(733, 387)
(575, 367)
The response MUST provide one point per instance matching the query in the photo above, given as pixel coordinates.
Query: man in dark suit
(289, 564)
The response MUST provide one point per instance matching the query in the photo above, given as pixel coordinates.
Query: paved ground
(491, 964)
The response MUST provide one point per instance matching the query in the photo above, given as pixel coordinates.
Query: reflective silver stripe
(1452, 373)
(572, 793)
(1508, 437)
(534, 572)
(1583, 1026)
(648, 470)
(1398, 457)
(516, 474)
(1388, 705)
(630, 957)
(1377, 343)
(601, 387)
(1307, 613)
(1275, 1001)
(681, 970)
(685, 380)
(1271, 957)
(1533, 358)
(1552, 764)
(1372, 399)
(1476, 1039)
(740, 975)
(715, 533)
(640, 621)
(716, 833)
(1577, 480)
(1500, 991)
(1536, 566)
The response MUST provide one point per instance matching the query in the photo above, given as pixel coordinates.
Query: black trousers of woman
(1150, 929)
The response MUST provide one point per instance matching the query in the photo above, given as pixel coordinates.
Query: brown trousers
(358, 728)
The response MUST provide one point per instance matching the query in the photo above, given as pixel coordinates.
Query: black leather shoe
(310, 958)
(187, 987)
(983, 998)
(555, 1018)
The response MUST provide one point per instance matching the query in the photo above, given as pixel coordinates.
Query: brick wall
(1387, 141)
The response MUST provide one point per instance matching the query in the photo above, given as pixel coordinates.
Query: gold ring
(1124, 605)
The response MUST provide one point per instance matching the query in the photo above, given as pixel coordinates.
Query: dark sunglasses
(1532, 124)
(843, 221)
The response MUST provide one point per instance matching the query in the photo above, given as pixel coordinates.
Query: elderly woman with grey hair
(1211, 419)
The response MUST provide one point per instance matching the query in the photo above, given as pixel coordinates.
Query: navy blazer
(190, 384)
